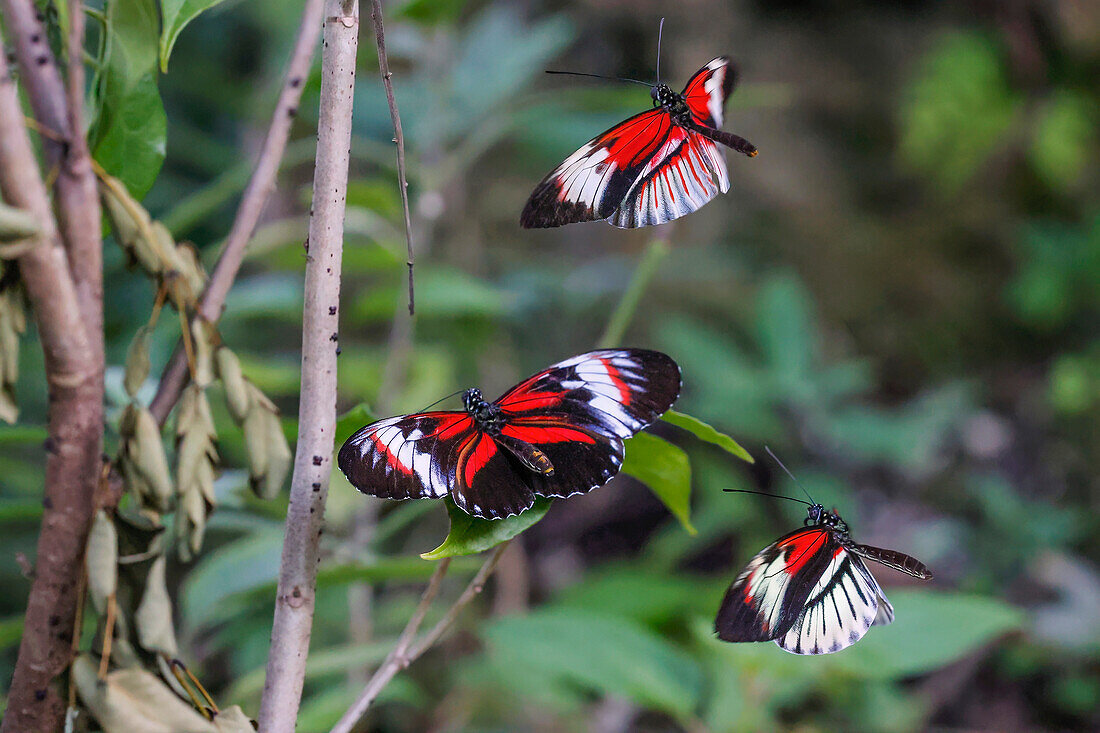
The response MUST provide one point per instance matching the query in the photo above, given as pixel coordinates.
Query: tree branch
(398, 136)
(295, 596)
(405, 651)
(252, 203)
(74, 431)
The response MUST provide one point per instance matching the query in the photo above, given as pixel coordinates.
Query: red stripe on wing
(546, 434)
(483, 450)
(801, 548)
(625, 393)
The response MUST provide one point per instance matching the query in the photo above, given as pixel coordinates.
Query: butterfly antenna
(660, 30)
(788, 472)
(452, 394)
(764, 493)
(598, 76)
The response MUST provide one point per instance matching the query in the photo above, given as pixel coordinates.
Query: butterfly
(655, 167)
(557, 433)
(810, 591)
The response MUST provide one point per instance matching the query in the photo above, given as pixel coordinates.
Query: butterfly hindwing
(842, 605)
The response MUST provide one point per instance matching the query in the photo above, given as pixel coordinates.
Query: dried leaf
(101, 560)
(137, 362)
(256, 443)
(191, 269)
(132, 700)
(190, 523)
(154, 615)
(131, 224)
(237, 394)
(233, 720)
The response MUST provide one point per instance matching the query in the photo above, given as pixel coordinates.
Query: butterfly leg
(527, 454)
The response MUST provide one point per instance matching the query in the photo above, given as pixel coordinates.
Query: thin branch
(398, 136)
(295, 596)
(252, 203)
(655, 253)
(405, 653)
(75, 425)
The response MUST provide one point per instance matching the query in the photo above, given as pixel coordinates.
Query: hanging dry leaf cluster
(126, 558)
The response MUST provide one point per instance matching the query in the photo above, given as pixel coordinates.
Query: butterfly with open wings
(810, 591)
(655, 167)
(559, 432)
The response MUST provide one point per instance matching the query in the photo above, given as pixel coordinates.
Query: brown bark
(74, 430)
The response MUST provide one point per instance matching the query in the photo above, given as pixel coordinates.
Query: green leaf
(470, 535)
(128, 134)
(177, 14)
(635, 592)
(930, 630)
(665, 469)
(705, 432)
(233, 568)
(596, 651)
(355, 418)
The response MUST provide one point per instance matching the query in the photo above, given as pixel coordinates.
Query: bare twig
(294, 601)
(75, 425)
(405, 651)
(398, 136)
(252, 203)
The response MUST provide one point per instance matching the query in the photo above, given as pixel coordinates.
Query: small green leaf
(665, 469)
(177, 14)
(470, 535)
(128, 134)
(705, 432)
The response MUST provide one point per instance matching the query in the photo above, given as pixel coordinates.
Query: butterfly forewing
(766, 599)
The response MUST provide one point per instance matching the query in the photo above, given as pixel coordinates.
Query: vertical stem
(295, 596)
(655, 252)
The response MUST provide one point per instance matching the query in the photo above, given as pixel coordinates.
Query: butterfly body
(558, 433)
(810, 590)
(653, 167)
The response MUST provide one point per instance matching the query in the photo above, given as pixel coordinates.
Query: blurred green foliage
(899, 296)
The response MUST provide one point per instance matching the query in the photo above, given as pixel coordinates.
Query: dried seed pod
(137, 362)
(279, 459)
(238, 396)
(146, 452)
(153, 618)
(132, 225)
(255, 428)
(17, 224)
(190, 523)
(196, 454)
(204, 337)
(13, 323)
(101, 560)
(191, 269)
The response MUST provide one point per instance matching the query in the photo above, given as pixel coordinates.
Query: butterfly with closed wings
(810, 591)
(652, 168)
(559, 432)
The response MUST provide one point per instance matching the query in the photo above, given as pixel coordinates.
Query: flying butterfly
(652, 168)
(558, 433)
(810, 591)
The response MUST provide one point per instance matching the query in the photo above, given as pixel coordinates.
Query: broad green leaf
(177, 14)
(239, 566)
(930, 630)
(440, 293)
(786, 331)
(665, 469)
(128, 134)
(705, 432)
(470, 535)
(636, 592)
(597, 651)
